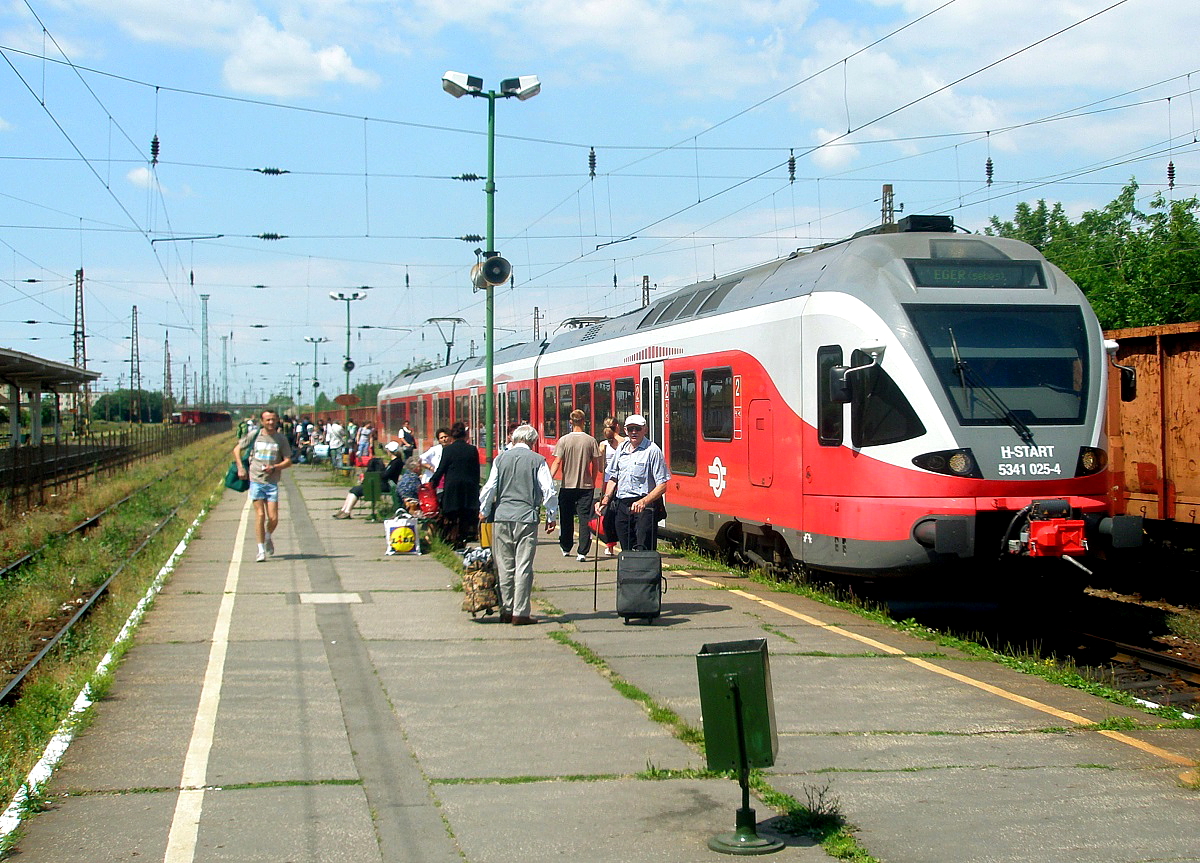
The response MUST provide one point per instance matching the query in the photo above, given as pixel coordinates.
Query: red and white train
(905, 399)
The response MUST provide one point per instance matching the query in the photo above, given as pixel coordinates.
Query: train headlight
(1091, 460)
(952, 462)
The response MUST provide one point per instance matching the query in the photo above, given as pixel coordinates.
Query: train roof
(854, 265)
(873, 261)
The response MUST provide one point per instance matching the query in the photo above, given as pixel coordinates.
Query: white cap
(635, 419)
(392, 446)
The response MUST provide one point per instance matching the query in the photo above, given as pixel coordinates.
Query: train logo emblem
(717, 473)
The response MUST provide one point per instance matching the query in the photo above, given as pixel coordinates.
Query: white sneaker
(270, 545)
(566, 553)
(608, 551)
(581, 558)
(262, 555)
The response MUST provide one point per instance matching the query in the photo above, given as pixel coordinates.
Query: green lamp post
(493, 270)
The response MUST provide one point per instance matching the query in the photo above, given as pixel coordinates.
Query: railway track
(47, 633)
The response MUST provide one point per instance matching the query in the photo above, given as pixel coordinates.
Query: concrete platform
(335, 704)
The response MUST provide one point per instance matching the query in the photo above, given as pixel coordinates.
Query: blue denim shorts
(264, 491)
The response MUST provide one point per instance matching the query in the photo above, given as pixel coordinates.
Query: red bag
(428, 499)
(362, 460)
(597, 528)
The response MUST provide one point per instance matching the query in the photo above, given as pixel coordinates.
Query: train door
(474, 418)
(650, 401)
(500, 409)
(760, 443)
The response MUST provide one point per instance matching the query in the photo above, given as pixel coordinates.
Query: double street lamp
(494, 269)
(348, 364)
(316, 342)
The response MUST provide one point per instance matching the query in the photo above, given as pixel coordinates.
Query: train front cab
(1007, 463)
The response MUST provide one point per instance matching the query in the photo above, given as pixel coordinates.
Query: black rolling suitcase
(640, 585)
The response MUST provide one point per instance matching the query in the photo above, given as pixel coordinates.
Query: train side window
(564, 409)
(716, 404)
(829, 412)
(601, 406)
(514, 414)
(682, 428)
(526, 411)
(879, 412)
(624, 405)
(550, 412)
(583, 402)
(442, 412)
(460, 410)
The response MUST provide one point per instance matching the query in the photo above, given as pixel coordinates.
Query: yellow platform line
(1064, 715)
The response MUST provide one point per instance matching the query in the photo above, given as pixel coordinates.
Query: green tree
(1137, 268)
(117, 406)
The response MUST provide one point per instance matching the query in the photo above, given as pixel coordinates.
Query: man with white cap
(391, 474)
(637, 478)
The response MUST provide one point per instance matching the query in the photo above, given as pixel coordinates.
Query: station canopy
(32, 373)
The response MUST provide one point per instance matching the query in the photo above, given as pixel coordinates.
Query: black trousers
(636, 531)
(575, 503)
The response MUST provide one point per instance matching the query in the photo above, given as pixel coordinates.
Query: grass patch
(663, 715)
(73, 564)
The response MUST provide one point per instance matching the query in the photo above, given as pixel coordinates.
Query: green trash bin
(739, 729)
(719, 667)
(372, 486)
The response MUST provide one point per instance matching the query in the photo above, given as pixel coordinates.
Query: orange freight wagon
(1154, 440)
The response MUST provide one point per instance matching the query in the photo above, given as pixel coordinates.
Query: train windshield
(1002, 365)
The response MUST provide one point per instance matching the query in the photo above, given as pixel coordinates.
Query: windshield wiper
(971, 380)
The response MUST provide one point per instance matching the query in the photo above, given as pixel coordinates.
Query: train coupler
(1050, 531)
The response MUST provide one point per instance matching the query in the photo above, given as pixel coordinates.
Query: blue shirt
(638, 471)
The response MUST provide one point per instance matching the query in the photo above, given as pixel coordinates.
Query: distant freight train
(906, 400)
(197, 417)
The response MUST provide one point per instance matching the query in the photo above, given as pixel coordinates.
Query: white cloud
(273, 62)
(833, 158)
(142, 177)
(287, 59)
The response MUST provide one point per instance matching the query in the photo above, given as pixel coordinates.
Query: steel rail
(12, 686)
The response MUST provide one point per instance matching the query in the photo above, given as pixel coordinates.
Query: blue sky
(692, 107)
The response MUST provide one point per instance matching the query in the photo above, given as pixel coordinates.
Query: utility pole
(82, 412)
(538, 317)
(225, 369)
(135, 374)
(205, 393)
(645, 291)
(168, 397)
(888, 210)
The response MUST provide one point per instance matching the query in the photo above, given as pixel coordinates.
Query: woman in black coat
(460, 492)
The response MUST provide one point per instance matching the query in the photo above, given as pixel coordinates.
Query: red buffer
(1057, 537)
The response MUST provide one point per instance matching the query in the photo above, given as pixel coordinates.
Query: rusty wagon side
(1154, 440)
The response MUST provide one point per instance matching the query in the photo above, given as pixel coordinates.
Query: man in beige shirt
(581, 459)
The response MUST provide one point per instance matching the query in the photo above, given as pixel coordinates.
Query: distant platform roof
(29, 373)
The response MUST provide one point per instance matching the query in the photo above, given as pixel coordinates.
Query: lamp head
(524, 87)
(458, 84)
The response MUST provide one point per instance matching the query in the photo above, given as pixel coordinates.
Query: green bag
(233, 481)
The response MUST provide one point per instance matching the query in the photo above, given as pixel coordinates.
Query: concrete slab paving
(601, 822)
(518, 708)
(1017, 816)
(477, 741)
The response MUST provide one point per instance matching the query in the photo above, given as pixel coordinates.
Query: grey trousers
(513, 544)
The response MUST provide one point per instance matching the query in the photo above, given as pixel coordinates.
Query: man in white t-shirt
(269, 453)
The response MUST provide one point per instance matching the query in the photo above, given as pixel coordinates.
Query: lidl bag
(485, 534)
(402, 535)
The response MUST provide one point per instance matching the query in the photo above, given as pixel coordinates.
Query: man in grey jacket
(519, 483)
